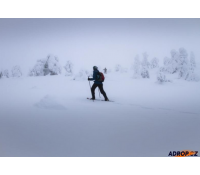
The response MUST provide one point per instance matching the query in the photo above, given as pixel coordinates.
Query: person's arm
(93, 78)
(90, 79)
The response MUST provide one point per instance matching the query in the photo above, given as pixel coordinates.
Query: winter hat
(95, 67)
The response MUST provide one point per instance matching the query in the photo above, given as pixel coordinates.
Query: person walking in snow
(105, 70)
(97, 83)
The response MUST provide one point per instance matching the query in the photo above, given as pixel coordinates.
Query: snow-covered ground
(50, 116)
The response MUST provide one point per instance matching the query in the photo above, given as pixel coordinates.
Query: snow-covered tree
(145, 66)
(69, 68)
(191, 76)
(136, 67)
(144, 72)
(145, 63)
(53, 65)
(161, 77)
(168, 65)
(48, 66)
(16, 71)
(182, 63)
(174, 61)
(192, 61)
(6, 73)
(1, 74)
(154, 63)
(38, 69)
(178, 63)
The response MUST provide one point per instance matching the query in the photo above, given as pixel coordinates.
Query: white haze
(50, 115)
(88, 42)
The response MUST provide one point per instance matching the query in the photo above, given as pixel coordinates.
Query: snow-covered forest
(180, 65)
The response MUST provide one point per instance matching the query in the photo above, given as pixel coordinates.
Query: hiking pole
(99, 93)
(90, 87)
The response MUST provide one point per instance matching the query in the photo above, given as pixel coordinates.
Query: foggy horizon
(88, 42)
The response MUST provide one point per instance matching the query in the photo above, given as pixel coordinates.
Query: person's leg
(93, 90)
(102, 91)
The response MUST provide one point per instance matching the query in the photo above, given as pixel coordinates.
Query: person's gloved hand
(88, 78)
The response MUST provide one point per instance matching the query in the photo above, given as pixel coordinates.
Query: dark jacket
(95, 73)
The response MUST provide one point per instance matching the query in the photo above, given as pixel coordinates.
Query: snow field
(50, 116)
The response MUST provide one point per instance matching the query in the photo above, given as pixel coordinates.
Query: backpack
(100, 77)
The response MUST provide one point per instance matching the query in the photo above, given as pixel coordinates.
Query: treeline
(15, 72)
(180, 63)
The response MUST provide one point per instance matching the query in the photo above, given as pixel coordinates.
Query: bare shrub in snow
(16, 71)
(69, 68)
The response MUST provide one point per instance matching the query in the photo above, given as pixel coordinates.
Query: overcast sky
(88, 42)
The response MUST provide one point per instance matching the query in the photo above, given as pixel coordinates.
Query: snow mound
(49, 102)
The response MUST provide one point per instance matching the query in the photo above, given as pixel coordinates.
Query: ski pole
(90, 87)
(99, 93)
